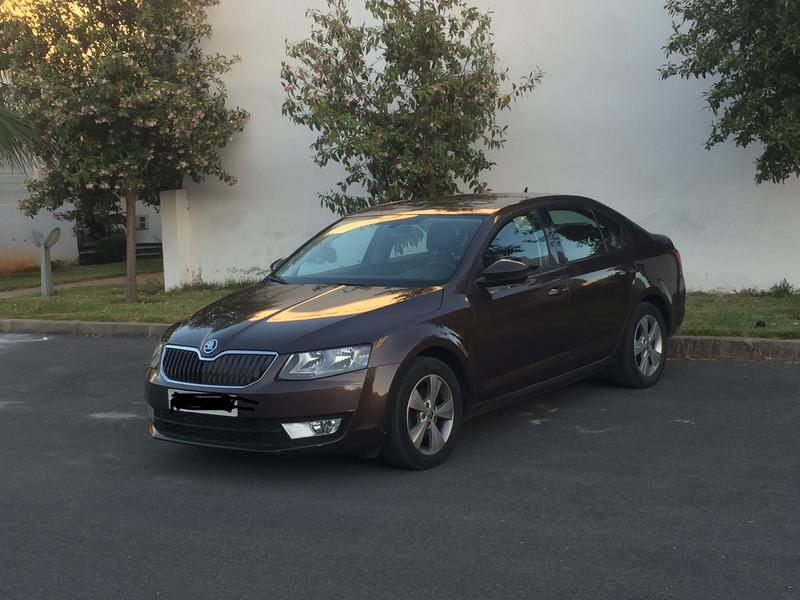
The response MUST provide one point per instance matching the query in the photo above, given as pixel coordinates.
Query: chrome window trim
(163, 375)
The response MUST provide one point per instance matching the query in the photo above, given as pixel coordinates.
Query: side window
(613, 233)
(578, 233)
(520, 239)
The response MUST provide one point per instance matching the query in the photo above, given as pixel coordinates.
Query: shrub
(111, 248)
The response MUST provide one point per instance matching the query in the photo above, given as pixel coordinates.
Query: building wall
(152, 234)
(17, 251)
(602, 124)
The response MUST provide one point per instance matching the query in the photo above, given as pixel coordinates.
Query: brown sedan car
(387, 330)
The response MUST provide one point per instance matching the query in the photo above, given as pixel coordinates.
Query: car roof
(462, 204)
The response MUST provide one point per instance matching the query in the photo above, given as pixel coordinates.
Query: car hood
(290, 318)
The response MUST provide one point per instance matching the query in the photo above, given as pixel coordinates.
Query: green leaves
(406, 105)
(15, 139)
(121, 97)
(750, 49)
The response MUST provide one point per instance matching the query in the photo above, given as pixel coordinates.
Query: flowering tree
(407, 105)
(124, 102)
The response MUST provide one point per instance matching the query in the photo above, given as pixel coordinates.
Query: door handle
(555, 291)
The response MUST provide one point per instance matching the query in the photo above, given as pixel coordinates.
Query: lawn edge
(691, 347)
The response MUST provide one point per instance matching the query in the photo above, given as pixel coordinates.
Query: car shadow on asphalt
(515, 424)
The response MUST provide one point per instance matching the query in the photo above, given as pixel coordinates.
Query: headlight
(156, 358)
(323, 363)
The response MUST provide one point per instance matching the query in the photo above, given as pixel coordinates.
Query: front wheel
(643, 353)
(425, 415)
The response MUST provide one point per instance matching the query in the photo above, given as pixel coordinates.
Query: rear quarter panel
(658, 274)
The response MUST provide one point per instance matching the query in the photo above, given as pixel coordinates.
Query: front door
(520, 326)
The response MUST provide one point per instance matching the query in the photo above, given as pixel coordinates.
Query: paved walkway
(142, 279)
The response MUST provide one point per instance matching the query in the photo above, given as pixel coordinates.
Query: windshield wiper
(274, 278)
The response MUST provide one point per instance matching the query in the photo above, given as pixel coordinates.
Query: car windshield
(391, 250)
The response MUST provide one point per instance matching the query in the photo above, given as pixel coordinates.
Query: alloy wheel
(648, 345)
(430, 413)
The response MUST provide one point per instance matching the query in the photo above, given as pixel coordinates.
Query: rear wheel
(424, 416)
(643, 353)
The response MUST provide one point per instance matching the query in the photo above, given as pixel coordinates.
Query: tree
(124, 101)
(407, 105)
(751, 51)
(15, 138)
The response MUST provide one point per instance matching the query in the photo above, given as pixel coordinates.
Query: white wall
(151, 235)
(17, 251)
(603, 124)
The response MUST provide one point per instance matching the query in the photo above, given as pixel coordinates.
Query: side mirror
(504, 272)
(277, 264)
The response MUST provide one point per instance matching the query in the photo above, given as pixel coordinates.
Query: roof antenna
(525, 191)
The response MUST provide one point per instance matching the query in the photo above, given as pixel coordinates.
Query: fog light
(312, 428)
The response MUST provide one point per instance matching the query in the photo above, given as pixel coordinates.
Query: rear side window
(578, 233)
(613, 233)
(520, 239)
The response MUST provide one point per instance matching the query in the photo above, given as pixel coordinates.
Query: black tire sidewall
(398, 449)
(629, 374)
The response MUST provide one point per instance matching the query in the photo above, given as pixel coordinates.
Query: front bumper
(359, 398)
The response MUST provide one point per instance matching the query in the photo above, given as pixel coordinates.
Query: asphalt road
(687, 490)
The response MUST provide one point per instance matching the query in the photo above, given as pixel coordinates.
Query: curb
(136, 330)
(734, 348)
(687, 347)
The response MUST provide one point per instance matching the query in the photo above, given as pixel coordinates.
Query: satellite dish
(46, 242)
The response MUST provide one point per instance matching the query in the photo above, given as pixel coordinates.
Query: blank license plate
(204, 404)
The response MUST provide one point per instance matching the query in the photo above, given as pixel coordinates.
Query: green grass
(107, 303)
(706, 314)
(737, 315)
(70, 274)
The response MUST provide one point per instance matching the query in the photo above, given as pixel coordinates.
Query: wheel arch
(454, 357)
(656, 297)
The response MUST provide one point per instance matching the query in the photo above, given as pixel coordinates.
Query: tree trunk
(130, 246)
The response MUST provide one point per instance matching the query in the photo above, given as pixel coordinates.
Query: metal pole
(46, 269)
(47, 273)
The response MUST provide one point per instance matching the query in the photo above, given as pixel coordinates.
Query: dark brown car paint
(502, 342)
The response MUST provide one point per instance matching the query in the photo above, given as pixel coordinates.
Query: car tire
(643, 352)
(419, 434)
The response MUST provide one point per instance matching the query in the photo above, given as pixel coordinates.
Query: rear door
(599, 268)
(519, 326)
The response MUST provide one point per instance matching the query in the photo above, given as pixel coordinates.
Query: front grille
(227, 369)
(245, 432)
